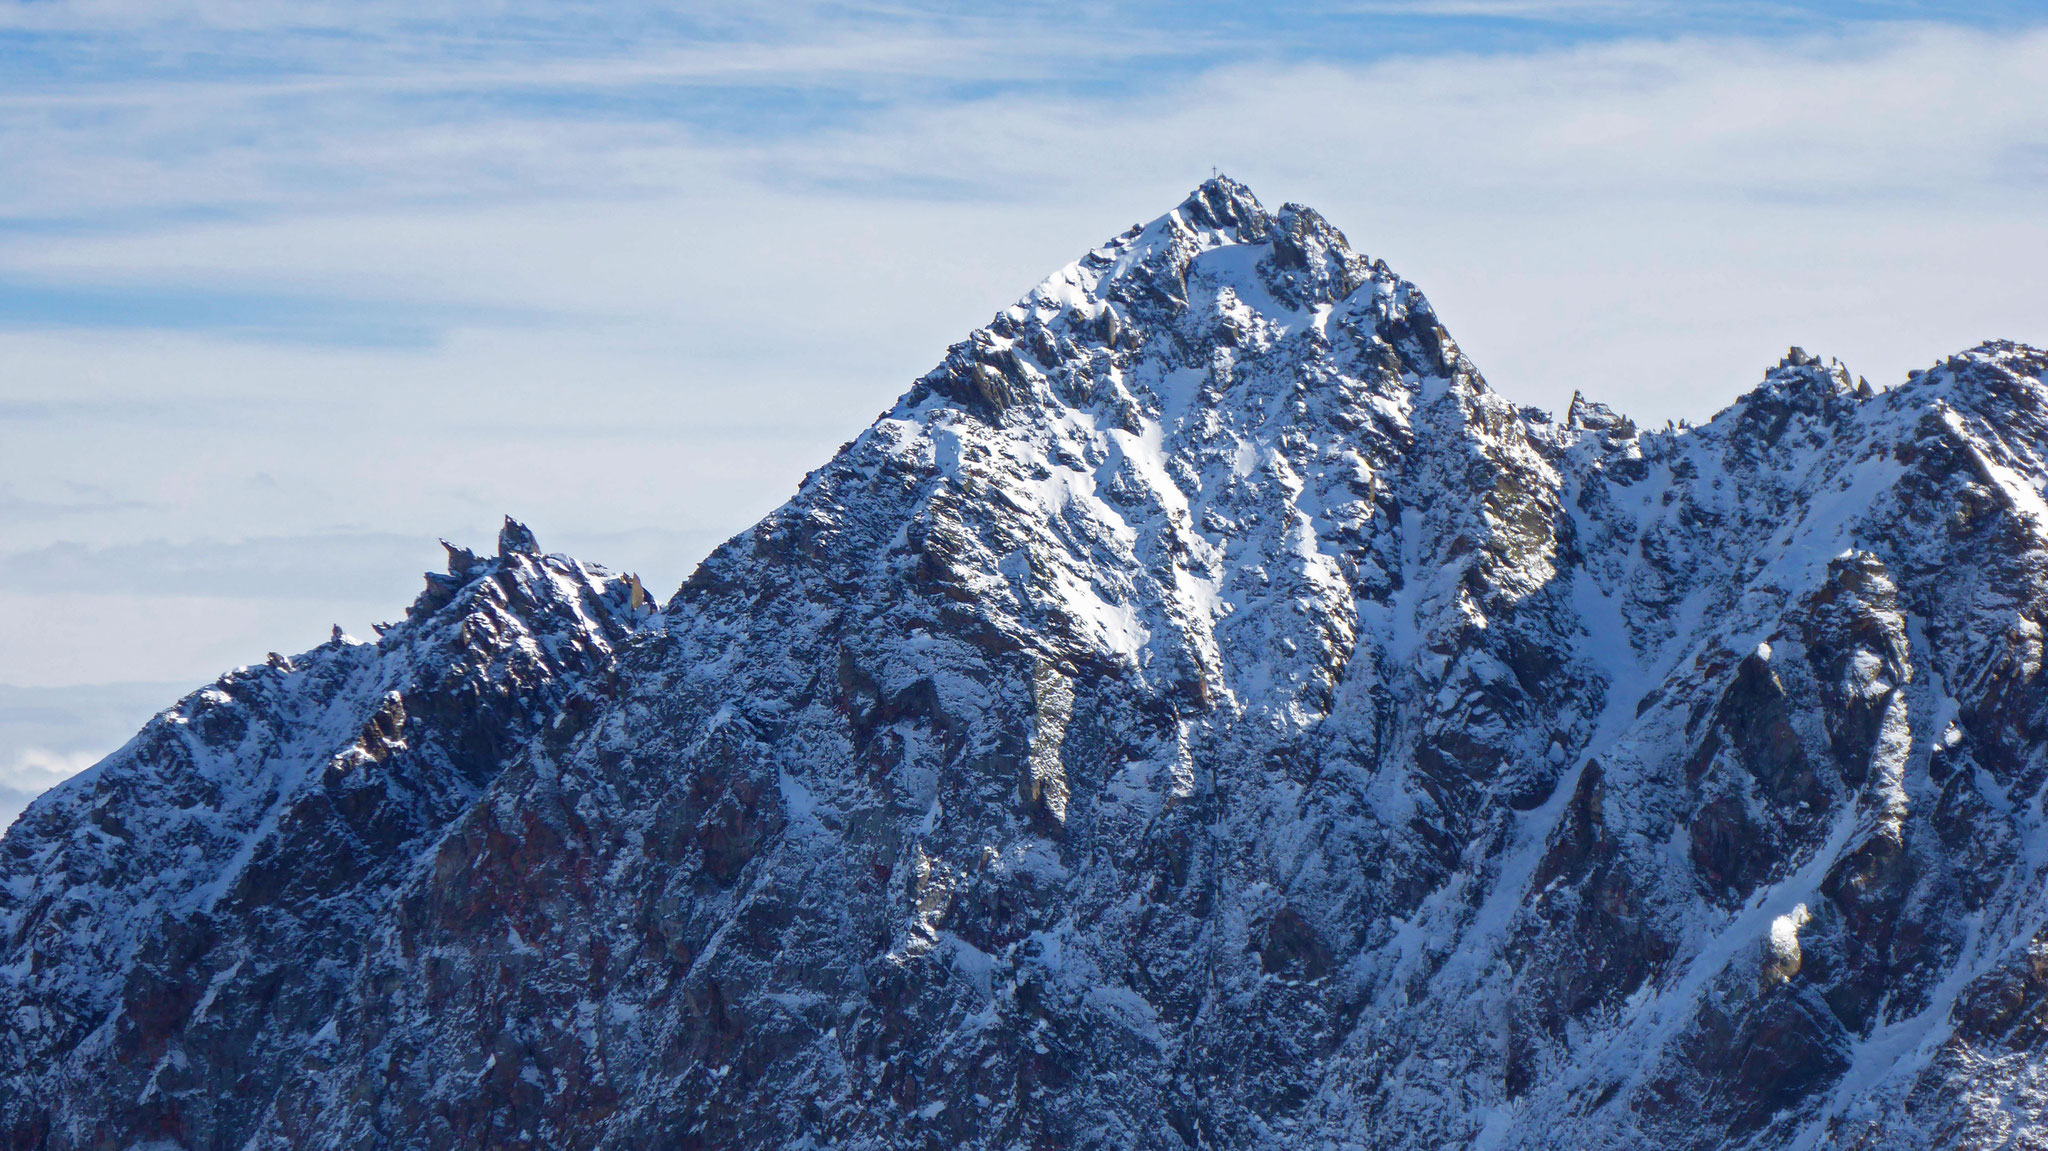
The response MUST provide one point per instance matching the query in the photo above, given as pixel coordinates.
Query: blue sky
(287, 291)
(136, 120)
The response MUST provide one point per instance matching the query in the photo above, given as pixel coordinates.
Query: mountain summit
(1200, 713)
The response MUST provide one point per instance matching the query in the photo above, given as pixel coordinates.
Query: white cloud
(1626, 190)
(37, 769)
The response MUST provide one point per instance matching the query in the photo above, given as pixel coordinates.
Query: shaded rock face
(1199, 713)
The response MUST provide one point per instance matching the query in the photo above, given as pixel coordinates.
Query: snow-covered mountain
(1199, 714)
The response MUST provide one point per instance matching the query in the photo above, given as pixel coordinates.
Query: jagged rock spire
(516, 538)
(461, 561)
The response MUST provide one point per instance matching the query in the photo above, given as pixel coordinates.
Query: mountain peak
(1221, 203)
(1199, 712)
(1584, 413)
(516, 538)
(1219, 274)
(1308, 260)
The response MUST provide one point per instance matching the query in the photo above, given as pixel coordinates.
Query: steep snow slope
(1200, 713)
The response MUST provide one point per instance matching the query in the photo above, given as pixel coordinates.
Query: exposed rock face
(1200, 713)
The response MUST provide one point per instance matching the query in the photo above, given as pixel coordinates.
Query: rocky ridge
(1199, 713)
(183, 920)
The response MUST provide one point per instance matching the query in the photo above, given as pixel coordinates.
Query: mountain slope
(181, 921)
(1202, 713)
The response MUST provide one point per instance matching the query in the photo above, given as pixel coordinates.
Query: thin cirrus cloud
(358, 565)
(1944, 123)
(241, 312)
(375, 127)
(286, 291)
